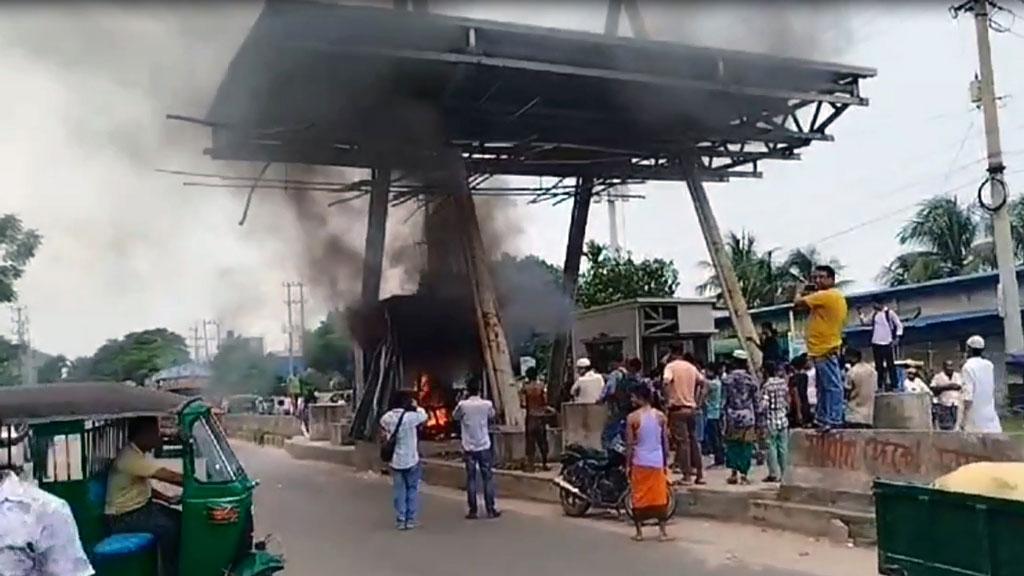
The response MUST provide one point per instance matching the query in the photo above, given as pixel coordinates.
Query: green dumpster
(923, 531)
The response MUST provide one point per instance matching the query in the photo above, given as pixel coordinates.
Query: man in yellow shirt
(827, 308)
(131, 505)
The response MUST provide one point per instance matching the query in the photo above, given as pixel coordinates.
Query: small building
(938, 317)
(643, 328)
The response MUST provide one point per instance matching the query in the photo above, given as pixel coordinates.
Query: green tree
(52, 369)
(329, 349)
(17, 246)
(763, 280)
(9, 373)
(240, 369)
(611, 277)
(136, 356)
(759, 276)
(942, 242)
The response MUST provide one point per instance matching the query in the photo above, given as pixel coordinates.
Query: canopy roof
(83, 400)
(355, 86)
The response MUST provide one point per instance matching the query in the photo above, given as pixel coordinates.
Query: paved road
(332, 521)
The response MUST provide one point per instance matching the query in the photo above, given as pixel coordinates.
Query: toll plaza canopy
(356, 86)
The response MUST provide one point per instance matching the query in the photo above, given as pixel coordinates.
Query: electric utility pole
(289, 301)
(997, 205)
(26, 359)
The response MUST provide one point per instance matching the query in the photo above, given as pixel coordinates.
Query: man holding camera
(827, 310)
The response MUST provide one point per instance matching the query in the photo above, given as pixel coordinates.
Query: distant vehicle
(243, 404)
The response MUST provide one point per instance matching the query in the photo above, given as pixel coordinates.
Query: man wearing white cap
(589, 384)
(979, 390)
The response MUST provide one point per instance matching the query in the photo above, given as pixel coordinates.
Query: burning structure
(434, 107)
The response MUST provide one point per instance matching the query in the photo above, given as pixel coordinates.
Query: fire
(431, 399)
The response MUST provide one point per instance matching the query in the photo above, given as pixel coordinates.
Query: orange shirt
(681, 384)
(534, 398)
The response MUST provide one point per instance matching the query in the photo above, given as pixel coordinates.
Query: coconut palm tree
(757, 272)
(797, 268)
(943, 237)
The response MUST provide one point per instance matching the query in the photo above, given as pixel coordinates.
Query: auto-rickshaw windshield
(214, 459)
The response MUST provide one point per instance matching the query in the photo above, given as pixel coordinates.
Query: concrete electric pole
(998, 203)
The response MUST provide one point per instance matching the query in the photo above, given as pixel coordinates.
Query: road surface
(329, 520)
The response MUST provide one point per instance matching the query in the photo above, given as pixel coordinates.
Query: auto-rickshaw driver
(132, 504)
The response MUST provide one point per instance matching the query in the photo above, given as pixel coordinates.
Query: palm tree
(758, 273)
(798, 266)
(942, 236)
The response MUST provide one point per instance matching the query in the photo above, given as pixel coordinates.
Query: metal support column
(373, 257)
(734, 298)
(570, 275)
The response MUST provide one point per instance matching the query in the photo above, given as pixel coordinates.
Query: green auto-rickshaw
(77, 429)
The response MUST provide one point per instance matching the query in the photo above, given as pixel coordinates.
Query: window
(212, 456)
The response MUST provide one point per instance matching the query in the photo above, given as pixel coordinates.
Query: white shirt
(916, 386)
(884, 321)
(38, 536)
(949, 397)
(980, 390)
(407, 452)
(475, 413)
(588, 388)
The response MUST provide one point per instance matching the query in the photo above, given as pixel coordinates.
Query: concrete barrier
(322, 416)
(582, 424)
(248, 425)
(510, 445)
(903, 411)
(850, 460)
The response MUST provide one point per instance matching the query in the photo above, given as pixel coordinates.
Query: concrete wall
(249, 425)
(510, 445)
(850, 460)
(582, 424)
(322, 416)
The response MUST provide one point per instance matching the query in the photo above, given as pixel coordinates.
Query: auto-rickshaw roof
(84, 400)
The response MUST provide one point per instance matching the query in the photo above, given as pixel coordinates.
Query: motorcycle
(593, 478)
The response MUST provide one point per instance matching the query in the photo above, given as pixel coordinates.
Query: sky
(87, 88)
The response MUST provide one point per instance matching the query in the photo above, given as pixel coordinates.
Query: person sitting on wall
(861, 385)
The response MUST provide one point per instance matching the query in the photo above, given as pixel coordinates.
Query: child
(775, 400)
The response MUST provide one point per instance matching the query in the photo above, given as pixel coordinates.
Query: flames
(431, 398)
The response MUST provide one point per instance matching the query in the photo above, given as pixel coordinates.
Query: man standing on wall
(683, 383)
(827, 308)
(886, 331)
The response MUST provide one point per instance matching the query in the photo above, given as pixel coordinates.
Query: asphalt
(328, 520)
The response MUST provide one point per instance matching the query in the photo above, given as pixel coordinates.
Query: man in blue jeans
(827, 316)
(475, 414)
(404, 419)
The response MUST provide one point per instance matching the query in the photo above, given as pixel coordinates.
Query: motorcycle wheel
(627, 503)
(573, 505)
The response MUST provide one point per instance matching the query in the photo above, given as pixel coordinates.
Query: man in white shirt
(914, 384)
(589, 384)
(404, 419)
(38, 535)
(475, 414)
(886, 330)
(947, 387)
(979, 392)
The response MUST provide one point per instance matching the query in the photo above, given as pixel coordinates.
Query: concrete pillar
(734, 298)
